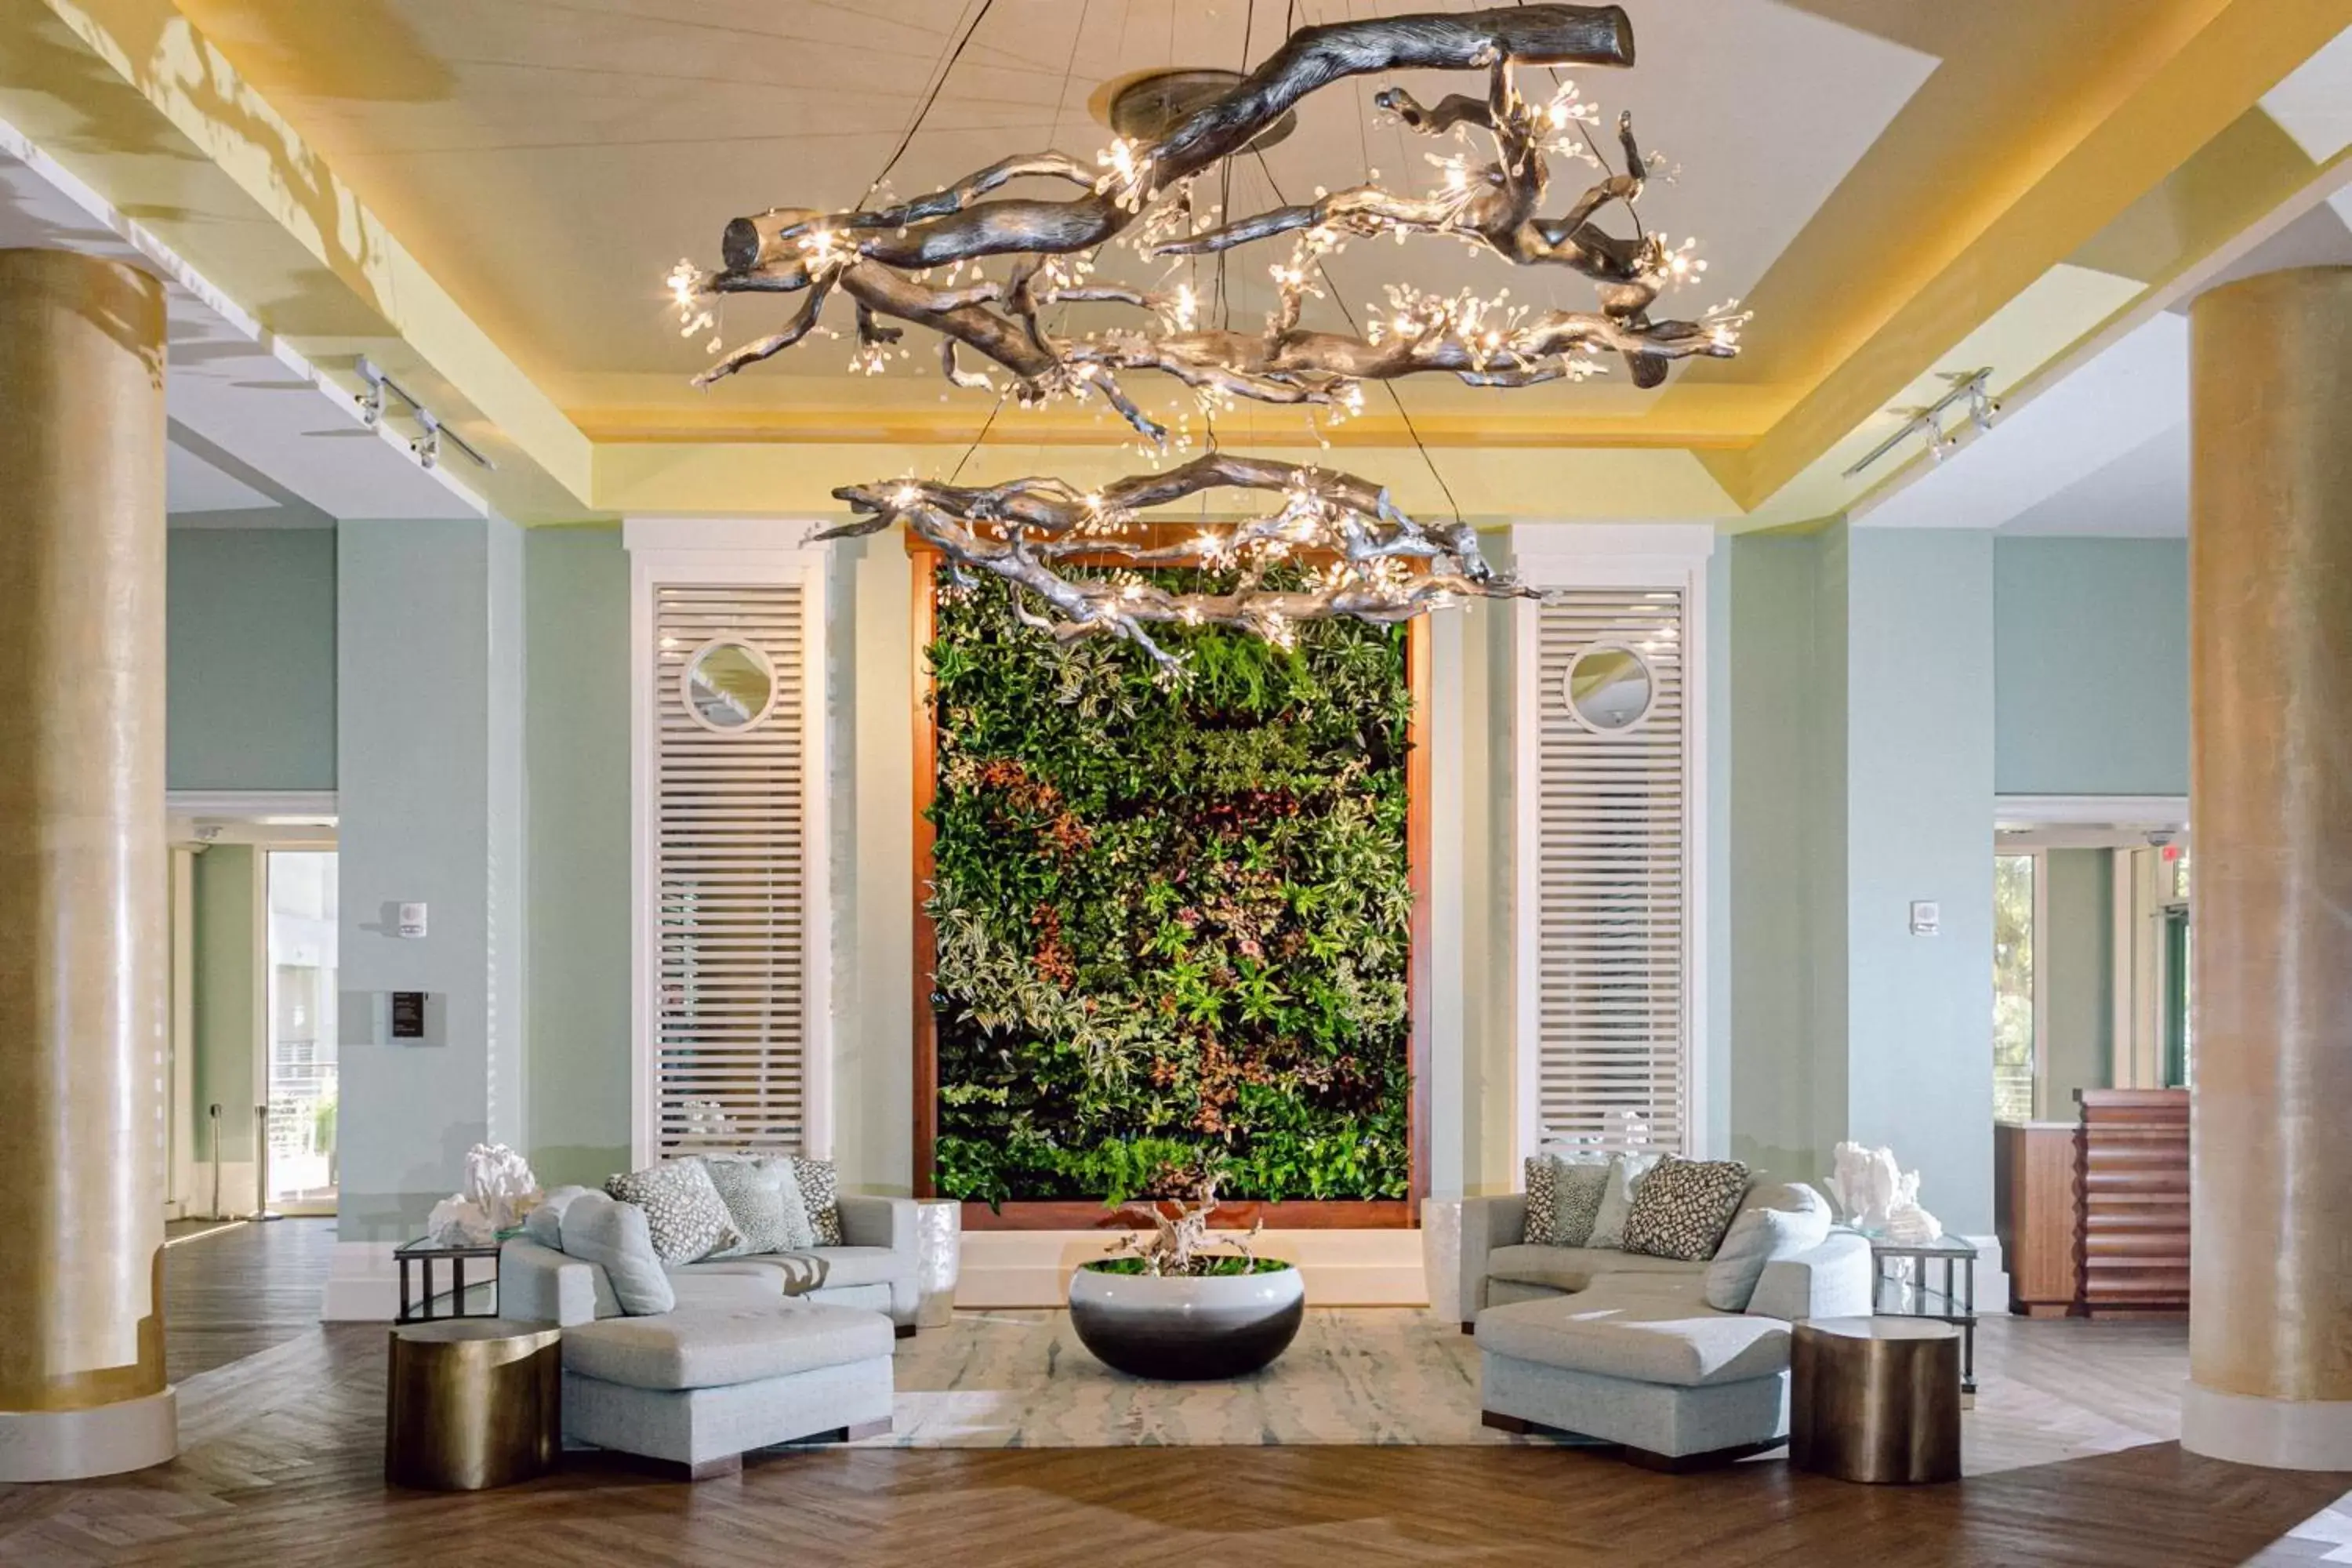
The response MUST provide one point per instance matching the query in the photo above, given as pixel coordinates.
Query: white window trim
(722, 552)
(1612, 555)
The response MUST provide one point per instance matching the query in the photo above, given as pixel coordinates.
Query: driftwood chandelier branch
(884, 259)
(1354, 553)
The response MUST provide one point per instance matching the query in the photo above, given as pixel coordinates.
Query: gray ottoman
(1648, 1366)
(700, 1387)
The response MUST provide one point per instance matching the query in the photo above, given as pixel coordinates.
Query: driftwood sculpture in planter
(884, 258)
(1164, 1306)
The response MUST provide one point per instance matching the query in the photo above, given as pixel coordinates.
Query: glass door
(2014, 1053)
(303, 1081)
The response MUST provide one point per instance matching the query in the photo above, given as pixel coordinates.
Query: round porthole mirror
(1609, 688)
(728, 685)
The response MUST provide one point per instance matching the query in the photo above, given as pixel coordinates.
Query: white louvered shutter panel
(730, 937)
(1611, 885)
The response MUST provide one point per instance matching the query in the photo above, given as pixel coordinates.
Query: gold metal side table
(1876, 1399)
(471, 1403)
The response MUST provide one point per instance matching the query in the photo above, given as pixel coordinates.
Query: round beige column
(2270, 804)
(83, 960)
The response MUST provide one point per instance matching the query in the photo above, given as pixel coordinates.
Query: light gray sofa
(756, 1352)
(873, 1268)
(1626, 1348)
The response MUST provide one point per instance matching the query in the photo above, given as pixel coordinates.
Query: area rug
(1020, 1379)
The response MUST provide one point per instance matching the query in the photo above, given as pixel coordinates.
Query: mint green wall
(2073, 969)
(249, 668)
(576, 618)
(430, 659)
(2092, 666)
(1715, 1043)
(1919, 784)
(1781, 850)
(1858, 763)
(228, 1021)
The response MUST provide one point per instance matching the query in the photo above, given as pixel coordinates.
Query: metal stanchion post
(261, 1209)
(218, 1213)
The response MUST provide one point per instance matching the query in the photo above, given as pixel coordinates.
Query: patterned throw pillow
(1684, 1208)
(1539, 1201)
(684, 1212)
(1577, 1187)
(762, 1204)
(821, 1195)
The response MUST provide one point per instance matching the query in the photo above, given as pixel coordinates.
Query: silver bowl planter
(1186, 1328)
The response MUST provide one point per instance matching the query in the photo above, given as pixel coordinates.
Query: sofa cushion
(687, 1217)
(1626, 1175)
(614, 1237)
(724, 1285)
(715, 1347)
(820, 1186)
(763, 1203)
(1578, 1187)
(817, 1268)
(1575, 1268)
(1537, 1178)
(1777, 1220)
(544, 1223)
(1662, 1337)
(1684, 1206)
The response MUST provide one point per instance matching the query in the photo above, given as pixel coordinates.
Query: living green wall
(1173, 919)
(249, 662)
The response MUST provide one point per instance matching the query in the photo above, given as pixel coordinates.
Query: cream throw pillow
(1626, 1174)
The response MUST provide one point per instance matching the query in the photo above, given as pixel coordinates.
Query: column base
(103, 1440)
(2277, 1434)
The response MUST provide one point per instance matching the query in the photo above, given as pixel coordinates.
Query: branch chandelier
(1368, 558)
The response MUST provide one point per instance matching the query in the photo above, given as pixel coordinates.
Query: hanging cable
(1353, 326)
(931, 97)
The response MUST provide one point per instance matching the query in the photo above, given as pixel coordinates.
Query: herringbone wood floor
(283, 1465)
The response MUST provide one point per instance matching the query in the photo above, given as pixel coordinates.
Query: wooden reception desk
(2093, 1213)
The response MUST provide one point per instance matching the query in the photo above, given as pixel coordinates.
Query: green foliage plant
(1173, 921)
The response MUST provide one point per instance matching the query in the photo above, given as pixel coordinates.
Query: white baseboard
(1341, 1268)
(362, 1284)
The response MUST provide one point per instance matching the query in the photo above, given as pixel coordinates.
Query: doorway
(254, 1058)
(301, 1088)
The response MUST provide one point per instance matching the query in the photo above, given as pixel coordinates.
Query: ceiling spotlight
(1969, 387)
(427, 447)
